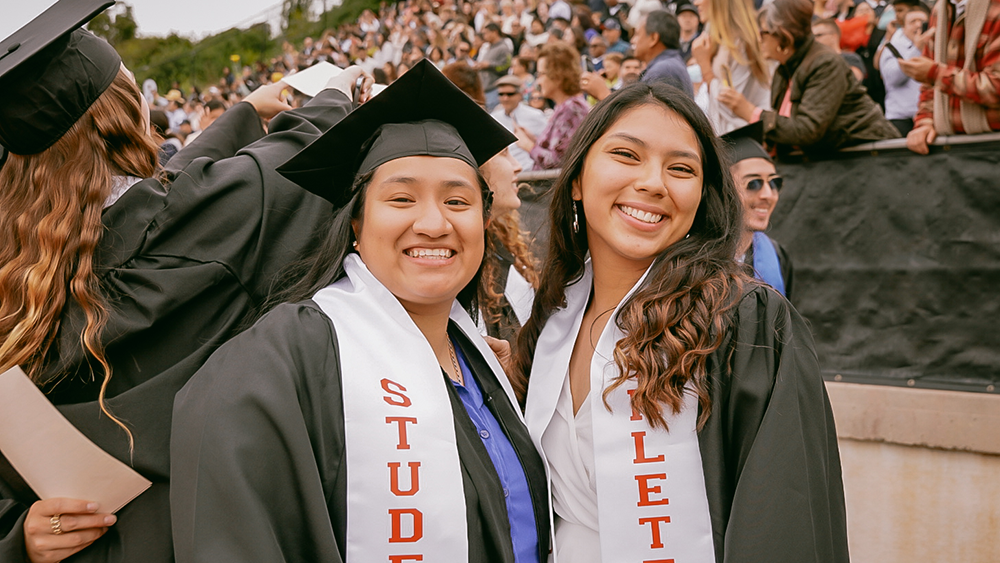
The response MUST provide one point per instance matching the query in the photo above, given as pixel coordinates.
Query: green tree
(116, 26)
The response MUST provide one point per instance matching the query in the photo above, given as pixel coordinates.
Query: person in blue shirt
(656, 42)
(365, 418)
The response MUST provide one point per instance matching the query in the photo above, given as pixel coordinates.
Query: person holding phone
(558, 78)
(902, 93)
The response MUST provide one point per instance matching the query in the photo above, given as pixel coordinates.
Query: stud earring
(355, 245)
(576, 220)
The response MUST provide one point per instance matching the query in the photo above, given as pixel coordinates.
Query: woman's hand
(917, 68)
(702, 51)
(593, 83)
(502, 350)
(919, 137)
(737, 103)
(346, 80)
(57, 528)
(525, 139)
(267, 100)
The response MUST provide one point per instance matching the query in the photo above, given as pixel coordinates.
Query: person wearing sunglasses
(759, 185)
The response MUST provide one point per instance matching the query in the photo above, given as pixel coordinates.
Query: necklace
(593, 345)
(454, 363)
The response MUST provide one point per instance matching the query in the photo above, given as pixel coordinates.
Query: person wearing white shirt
(511, 111)
(902, 93)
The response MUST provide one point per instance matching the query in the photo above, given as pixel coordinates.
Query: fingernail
(110, 519)
(92, 507)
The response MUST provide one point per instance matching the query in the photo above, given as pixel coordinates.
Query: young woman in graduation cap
(677, 402)
(115, 286)
(367, 419)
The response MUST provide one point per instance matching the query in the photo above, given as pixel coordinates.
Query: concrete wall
(921, 473)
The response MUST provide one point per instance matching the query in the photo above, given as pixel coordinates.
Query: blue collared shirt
(520, 510)
(669, 67)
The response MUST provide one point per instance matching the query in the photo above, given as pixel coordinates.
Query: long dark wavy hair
(325, 264)
(679, 317)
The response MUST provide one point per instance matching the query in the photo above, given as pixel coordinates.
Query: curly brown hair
(678, 318)
(562, 65)
(50, 211)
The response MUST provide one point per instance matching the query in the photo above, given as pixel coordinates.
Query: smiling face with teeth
(421, 232)
(760, 203)
(640, 187)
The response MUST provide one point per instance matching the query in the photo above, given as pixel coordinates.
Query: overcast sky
(191, 18)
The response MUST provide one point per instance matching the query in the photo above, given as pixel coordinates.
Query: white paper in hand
(312, 80)
(55, 458)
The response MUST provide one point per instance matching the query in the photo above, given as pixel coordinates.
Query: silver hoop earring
(576, 220)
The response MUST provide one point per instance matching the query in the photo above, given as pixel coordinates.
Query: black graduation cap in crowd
(746, 142)
(51, 72)
(421, 113)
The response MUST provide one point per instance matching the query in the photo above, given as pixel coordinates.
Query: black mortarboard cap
(421, 113)
(746, 142)
(51, 72)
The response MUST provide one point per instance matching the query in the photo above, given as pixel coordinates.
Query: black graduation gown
(181, 267)
(258, 451)
(769, 447)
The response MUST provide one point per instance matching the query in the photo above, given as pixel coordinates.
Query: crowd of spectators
(820, 75)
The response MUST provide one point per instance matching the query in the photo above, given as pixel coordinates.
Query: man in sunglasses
(759, 185)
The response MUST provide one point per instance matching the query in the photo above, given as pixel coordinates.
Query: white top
(568, 443)
(534, 120)
(743, 81)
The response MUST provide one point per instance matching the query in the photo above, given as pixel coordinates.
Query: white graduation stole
(651, 497)
(405, 500)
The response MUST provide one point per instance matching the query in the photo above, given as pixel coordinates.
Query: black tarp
(897, 262)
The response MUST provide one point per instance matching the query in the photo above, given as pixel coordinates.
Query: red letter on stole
(655, 525)
(414, 478)
(635, 413)
(397, 525)
(401, 421)
(402, 558)
(640, 449)
(645, 489)
(402, 401)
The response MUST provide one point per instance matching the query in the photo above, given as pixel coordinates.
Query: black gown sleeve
(769, 447)
(257, 447)
(236, 128)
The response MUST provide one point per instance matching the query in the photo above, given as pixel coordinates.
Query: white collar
(120, 185)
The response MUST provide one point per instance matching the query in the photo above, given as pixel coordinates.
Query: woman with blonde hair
(118, 281)
(729, 55)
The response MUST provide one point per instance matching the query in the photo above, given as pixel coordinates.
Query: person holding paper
(367, 419)
(677, 401)
(118, 280)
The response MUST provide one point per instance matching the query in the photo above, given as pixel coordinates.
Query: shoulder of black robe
(181, 267)
(258, 447)
(785, 261)
(258, 452)
(769, 448)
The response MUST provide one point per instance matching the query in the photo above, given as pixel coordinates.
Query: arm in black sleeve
(236, 128)
(239, 212)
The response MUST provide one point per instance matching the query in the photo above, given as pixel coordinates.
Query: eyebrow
(412, 180)
(641, 143)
